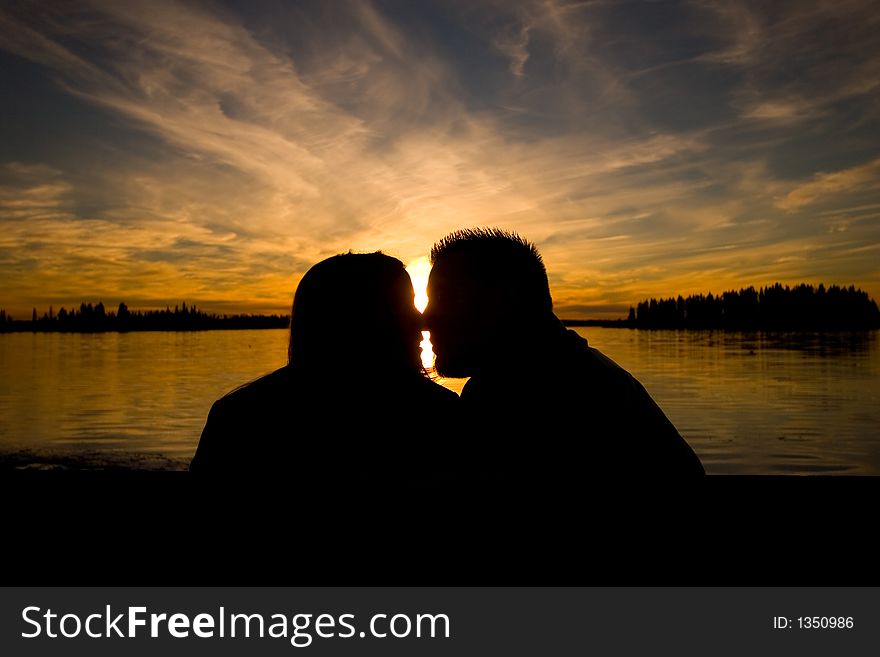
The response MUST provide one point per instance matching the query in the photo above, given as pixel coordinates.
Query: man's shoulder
(580, 362)
(565, 364)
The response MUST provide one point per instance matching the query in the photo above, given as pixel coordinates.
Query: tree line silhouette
(778, 307)
(96, 318)
(802, 307)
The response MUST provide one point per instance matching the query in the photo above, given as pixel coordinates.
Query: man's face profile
(455, 316)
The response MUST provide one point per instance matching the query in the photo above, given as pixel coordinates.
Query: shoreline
(91, 460)
(569, 323)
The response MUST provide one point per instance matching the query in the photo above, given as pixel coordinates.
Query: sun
(418, 271)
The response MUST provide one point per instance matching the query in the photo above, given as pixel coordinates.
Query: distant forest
(802, 307)
(95, 319)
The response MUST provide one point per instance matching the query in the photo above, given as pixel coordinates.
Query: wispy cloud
(823, 185)
(515, 46)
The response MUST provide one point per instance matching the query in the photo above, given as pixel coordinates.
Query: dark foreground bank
(162, 528)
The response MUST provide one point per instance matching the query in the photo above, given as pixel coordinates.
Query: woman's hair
(355, 309)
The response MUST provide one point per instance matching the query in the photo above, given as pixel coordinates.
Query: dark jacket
(565, 412)
(334, 430)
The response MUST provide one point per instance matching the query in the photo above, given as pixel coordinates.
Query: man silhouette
(545, 406)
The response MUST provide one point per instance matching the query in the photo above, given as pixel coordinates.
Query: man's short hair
(501, 259)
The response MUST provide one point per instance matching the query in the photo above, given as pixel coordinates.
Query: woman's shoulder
(427, 386)
(415, 393)
(267, 386)
(434, 390)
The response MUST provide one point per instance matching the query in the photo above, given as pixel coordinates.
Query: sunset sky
(156, 152)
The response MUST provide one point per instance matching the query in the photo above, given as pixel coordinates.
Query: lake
(748, 403)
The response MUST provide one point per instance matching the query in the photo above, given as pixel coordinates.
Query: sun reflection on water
(427, 350)
(418, 271)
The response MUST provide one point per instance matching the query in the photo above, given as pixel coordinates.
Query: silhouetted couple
(354, 405)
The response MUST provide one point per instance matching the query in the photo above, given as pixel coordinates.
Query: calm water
(747, 403)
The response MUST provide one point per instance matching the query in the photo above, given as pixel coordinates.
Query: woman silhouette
(353, 404)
